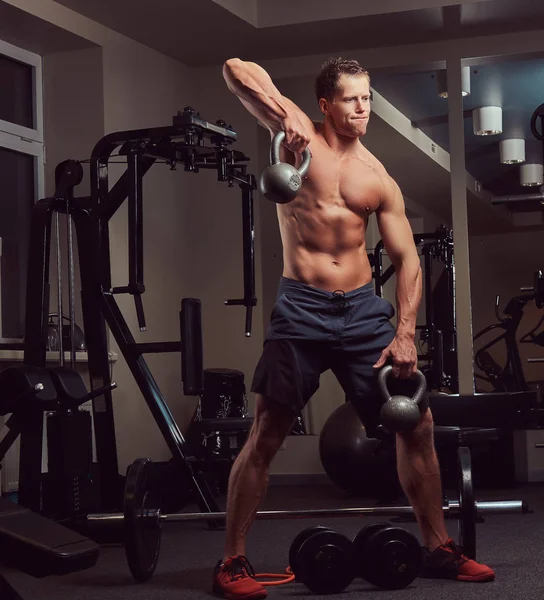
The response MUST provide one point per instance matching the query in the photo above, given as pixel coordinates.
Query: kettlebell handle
(275, 154)
(382, 380)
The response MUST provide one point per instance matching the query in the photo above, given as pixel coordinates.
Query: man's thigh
(370, 331)
(288, 371)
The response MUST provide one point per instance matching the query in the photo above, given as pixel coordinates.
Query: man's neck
(338, 142)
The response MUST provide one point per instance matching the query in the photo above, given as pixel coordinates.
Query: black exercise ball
(360, 465)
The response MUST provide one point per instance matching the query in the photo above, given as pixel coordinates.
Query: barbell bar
(451, 510)
(142, 520)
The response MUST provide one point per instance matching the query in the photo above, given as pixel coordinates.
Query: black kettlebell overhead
(280, 182)
(400, 413)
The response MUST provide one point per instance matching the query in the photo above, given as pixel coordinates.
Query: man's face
(350, 108)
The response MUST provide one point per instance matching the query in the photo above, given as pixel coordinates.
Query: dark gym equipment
(295, 544)
(510, 377)
(400, 412)
(221, 425)
(326, 561)
(28, 541)
(195, 144)
(144, 519)
(387, 557)
(280, 182)
(142, 540)
(538, 114)
(27, 393)
(55, 332)
(39, 547)
(467, 504)
(439, 332)
(322, 559)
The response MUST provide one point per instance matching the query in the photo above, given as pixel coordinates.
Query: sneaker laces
(238, 568)
(457, 551)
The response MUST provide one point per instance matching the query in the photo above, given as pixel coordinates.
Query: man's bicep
(395, 229)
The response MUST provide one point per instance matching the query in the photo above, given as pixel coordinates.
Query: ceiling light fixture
(487, 120)
(512, 151)
(531, 175)
(442, 82)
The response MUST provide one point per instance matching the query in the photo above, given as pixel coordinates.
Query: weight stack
(224, 394)
(217, 434)
(68, 488)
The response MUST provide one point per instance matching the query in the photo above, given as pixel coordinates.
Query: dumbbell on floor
(386, 556)
(327, 562)
(322, 559)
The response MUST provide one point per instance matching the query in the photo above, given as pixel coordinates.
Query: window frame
(24, 140)
(35, 61)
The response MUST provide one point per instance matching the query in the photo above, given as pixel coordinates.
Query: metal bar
(248, 231)
(37, 310)
(135, 222)
(88, 240)
(59, 289)
(155, 401)
(71, 282)
(450, 509)
(517, 198)
(378, 269)
(535, 360)
(119, 192)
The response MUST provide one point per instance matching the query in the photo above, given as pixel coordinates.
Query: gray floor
(512, 544)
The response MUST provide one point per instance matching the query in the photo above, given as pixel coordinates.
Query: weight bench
(39, 547)
(449, 438)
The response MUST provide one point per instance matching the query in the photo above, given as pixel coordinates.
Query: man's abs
(324, 247)
(323, 228)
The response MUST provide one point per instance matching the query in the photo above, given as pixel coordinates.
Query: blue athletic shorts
(312, 330)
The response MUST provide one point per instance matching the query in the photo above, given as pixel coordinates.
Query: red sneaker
(234, 579)
(449, 562)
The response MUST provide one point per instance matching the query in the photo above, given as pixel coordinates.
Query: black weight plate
(393, 558)
(467, 503)
(325, 562)
(297, 542)
(142, 532)
(359, 547)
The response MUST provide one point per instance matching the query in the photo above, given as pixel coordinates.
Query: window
(21, 177)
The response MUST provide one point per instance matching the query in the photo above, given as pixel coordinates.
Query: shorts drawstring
(339, 297)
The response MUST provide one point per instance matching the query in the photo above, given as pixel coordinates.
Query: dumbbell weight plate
(391, 558)
(142, 533)
(299, 540)
(359, 547)
(467, 504)
(324, 562)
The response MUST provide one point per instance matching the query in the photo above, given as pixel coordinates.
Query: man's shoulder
(374, 162)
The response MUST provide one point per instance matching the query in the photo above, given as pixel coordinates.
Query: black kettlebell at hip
(280, 182)
(400, 413)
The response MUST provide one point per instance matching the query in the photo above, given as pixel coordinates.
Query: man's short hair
(326, 83)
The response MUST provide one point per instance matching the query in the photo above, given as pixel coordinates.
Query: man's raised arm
(255, 89)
